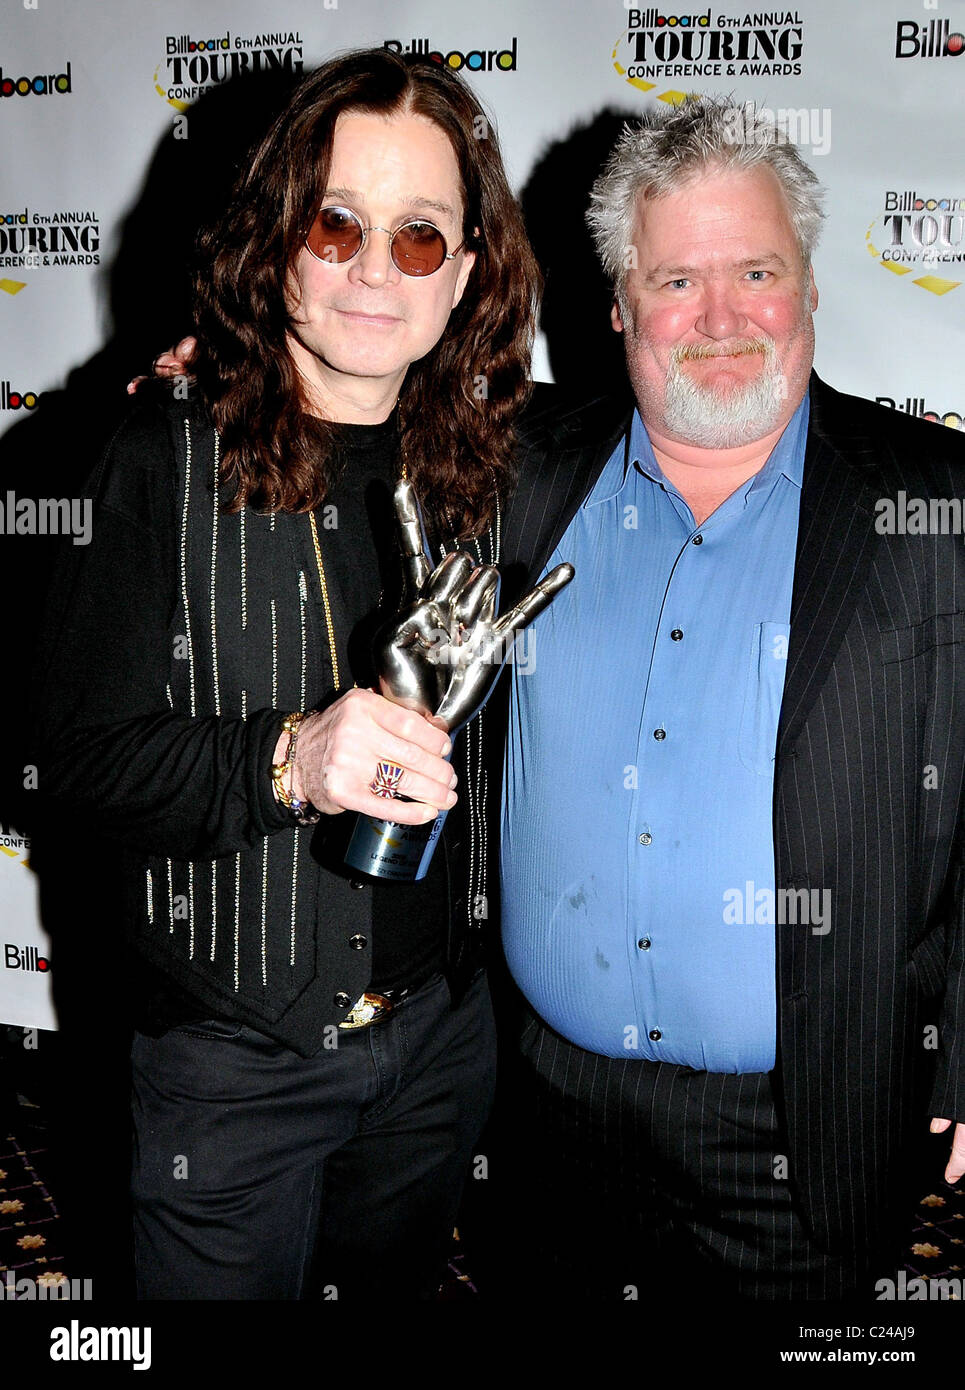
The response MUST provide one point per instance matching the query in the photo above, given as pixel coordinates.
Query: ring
(386, 780)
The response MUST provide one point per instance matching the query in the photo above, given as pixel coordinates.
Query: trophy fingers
(477, 599)
(538, 598)
(413, 624)
(488, 612)
(411, 535)
(448, 578)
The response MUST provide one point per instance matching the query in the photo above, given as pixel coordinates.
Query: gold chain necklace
(329, 624)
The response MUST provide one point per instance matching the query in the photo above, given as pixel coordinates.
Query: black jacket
(175, 644)
(868, 784)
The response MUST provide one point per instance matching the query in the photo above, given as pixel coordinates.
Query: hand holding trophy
(440, 655)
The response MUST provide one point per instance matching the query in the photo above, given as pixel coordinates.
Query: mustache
(702, 352)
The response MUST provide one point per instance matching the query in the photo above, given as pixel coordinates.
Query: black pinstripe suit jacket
(868, 783)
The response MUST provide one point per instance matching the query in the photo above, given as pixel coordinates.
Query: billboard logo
(193, 65)
(16, 400)
(656, 48)
(54, 84)
(66, 237)
(183, 43)
(932, 40)
(24, 958)
(916, 233)
(653, 19)
(915, 405)
(476, 60)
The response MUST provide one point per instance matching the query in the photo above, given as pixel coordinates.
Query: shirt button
(341, 1000)
(645, 837)
(357, 883)
(644, 943)
(655, 1035)
(698, 540)
(659, 734)
(358, 943)
(676, 635)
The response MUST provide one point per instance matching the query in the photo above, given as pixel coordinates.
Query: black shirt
(361, 537)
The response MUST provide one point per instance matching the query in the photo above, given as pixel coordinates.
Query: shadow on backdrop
(585, 354)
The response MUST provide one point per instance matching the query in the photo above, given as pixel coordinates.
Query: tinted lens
(418, 248)
(336, 235)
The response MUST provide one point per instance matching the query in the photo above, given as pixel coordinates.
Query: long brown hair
(458, 403)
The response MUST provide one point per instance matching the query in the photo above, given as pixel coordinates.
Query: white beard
(712, 419)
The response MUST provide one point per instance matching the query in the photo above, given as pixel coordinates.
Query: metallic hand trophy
(441, 655)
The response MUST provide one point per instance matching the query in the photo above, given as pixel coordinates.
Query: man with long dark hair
(313, 1055)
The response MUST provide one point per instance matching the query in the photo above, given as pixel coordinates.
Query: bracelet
(303, 811)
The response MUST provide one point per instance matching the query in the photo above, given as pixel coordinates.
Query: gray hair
(666, 148)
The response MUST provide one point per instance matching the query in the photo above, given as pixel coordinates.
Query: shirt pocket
(764, 690)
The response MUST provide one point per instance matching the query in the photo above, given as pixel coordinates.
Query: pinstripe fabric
(649, 1179)
(249, 648)
(868, 791)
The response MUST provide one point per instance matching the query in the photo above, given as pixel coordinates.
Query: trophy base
(384, 849)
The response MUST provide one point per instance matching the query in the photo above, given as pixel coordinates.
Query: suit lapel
(560, 463)
(835, 548)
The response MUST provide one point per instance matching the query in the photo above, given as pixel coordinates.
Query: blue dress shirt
(637, 838)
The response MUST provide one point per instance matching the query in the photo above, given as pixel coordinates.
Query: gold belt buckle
(366, 1010)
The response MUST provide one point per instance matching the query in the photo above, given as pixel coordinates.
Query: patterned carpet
(31, 1231)
(35, 1246)
(937, 1247)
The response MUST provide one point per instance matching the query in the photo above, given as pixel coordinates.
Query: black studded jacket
(175, 644)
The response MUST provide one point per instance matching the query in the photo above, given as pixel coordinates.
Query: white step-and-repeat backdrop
(92, 90)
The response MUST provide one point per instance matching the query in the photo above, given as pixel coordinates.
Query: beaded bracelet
(303, 811)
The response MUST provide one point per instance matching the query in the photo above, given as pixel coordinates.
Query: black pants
(260, 1174)
(645, 1180)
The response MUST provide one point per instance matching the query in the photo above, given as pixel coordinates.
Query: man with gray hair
(734, 905)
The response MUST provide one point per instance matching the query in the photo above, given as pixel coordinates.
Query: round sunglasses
(417, 247)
